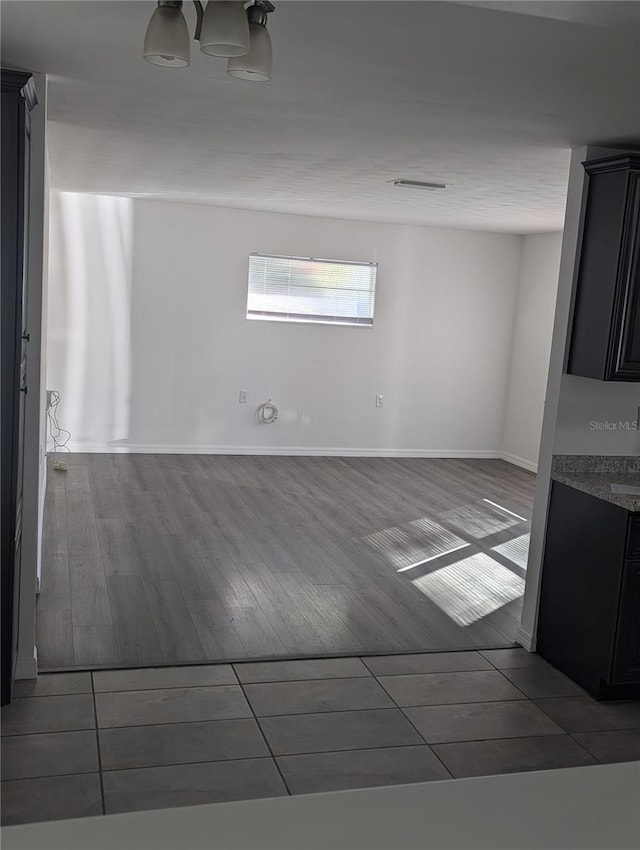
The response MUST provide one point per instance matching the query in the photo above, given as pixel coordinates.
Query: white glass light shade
(258, 62)
(167, 40)
(225, 29)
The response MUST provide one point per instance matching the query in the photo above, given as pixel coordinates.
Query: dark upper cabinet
(605, 337)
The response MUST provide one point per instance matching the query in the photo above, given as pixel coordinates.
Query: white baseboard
(27, 668)
(301, 451)
(526, 639)
(519, 461)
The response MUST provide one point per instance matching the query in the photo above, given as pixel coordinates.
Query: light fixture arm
(266, 5)
(257, 12)
(199, 16)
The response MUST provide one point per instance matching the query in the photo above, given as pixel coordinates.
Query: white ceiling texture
(485, 97)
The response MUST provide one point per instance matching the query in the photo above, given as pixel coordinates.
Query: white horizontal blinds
(297, 289)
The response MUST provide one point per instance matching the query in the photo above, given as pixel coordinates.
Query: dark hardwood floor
(174, 559)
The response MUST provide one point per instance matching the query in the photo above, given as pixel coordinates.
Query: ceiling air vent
(417, 184)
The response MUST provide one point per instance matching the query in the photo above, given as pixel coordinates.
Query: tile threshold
(258, 719)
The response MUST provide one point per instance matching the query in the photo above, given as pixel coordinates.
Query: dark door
(18, 98)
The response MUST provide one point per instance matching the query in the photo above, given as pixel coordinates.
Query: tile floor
(78, 744)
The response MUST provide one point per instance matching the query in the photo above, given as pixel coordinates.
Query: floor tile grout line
(425, 742)
(176, 722)
(266, 741)
(51, 776)
(428, 705)
(49, 696)
(551, 736)
(513, 684)
(408, 719)
(293, 755)
(586, 748)
(274, 757)
(572, 735)
(143, 767)
(48, 732)
(430, 747)
(537, 700)
(549, 715)
(394, 707)
(366, 676)
(624, 728)
(171, 688)
(406, 708)
(98, 751)
(433, 673)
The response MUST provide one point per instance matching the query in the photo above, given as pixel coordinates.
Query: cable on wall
(267, 412)
(59, 436)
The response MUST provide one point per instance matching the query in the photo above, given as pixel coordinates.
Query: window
(301, 289)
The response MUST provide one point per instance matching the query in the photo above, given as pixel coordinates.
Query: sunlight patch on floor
(419, 541)
(516, 550)
(505, 510)
(433, 558)
(471, 589)
(479, 520)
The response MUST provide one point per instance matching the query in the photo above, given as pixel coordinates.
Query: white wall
(597, 417)
(571, 235)
(89, 332)
(149, 345)
(533, 327)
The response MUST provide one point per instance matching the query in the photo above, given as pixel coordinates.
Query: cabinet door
(585, 549)
(17, 98)
(624, 361)
(605, 334)
(626, 659)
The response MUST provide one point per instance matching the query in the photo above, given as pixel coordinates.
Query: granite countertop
(594, 474)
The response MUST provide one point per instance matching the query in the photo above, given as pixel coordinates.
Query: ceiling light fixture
(167, 39)
(224, 28)
(256, 64)
(417, 184)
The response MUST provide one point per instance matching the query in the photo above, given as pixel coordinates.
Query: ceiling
(607, 13)
(486, 100)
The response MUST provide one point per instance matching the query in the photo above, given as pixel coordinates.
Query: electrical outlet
(243, 398)
(379, 400)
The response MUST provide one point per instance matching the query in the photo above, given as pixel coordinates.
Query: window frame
(303, 319)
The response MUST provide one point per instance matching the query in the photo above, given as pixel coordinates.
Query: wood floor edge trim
(271, 659)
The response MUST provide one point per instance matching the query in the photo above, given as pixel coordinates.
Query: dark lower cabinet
(589, 615)
(626, 656)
